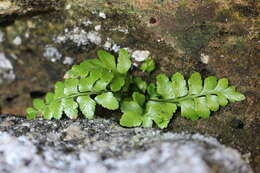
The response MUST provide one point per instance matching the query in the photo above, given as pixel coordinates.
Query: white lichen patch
(6, 70)
(204, 58)
(80, 37)
(94, 37)
(102, 15)
(140, 55)
(108, 44)
(2, 37)
(77, 35)
(17, 41)
(98, 27)
(121, 29)
(52, 53)
(68, 61)
(87, 22)
(27, 35)
(116, 48)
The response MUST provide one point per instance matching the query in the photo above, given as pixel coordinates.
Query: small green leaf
(124, 62)
(87, 106)
(107, 100)
(188, 109)
(77, 71)
(49, 97)
(105, 79)
(210, 84)
(212, 102)
(31, 113)
(222, 84)
(148, 65)
(139, 98)
(70, 108)
(86, 84)
(179, 85)
(56, 109)
(91, 65)
(151, 89)
(131, 106)
(141, 84)
(195, 83)
(131, 119)
(117, 83)
(161, 113)
(107, 59)
(147, 121)
(132, 116)
(222, 100)
(100, 85)
(59, 90)
(201, 107)
(164, 86)
(39, 105)
(48, 114)
(107, 75)
(71, 86)
(233, 95)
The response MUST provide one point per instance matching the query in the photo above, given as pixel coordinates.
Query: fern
(100, 78)
(107, 82)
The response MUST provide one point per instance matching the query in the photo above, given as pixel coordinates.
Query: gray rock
(6, 69)
(101, 146)
(1, 36)
(52, 53)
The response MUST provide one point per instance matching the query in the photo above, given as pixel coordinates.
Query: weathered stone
(217, 38)
(102, 146)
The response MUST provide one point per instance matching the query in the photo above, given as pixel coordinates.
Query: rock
(6, 69)
(101, 146)
(214, 38)
(140, 55)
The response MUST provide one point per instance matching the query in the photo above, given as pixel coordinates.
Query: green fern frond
(92, 78)
(106, 81)
(196, 100)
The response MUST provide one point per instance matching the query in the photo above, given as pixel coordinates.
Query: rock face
(41, 39)
(101, 146)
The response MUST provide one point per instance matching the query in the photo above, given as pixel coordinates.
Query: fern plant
(107, 81)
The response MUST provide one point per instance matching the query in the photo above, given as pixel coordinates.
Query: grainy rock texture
(41, 39)
(101, 146)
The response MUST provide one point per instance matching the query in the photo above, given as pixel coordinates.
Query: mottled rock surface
(41, 39)
(101, 146)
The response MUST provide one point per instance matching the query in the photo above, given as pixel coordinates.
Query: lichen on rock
(6, 70)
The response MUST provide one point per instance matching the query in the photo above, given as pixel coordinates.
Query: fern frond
(198, 99)
(92, 78)
(105, 81)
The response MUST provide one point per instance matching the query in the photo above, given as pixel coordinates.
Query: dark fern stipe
(106, 81)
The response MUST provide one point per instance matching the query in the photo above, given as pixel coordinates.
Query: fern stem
(81, 94)
(179, 99)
